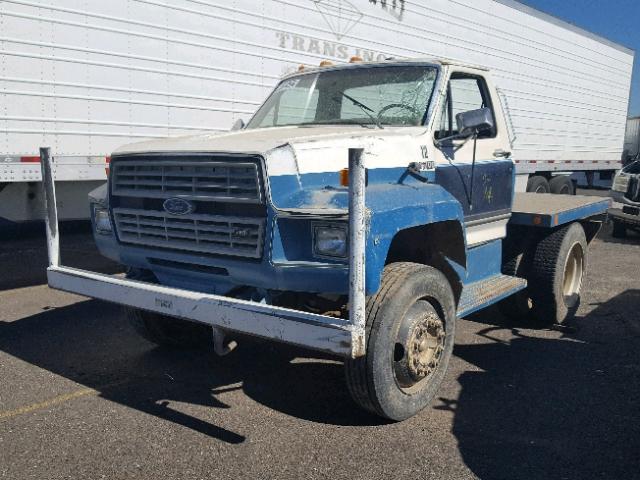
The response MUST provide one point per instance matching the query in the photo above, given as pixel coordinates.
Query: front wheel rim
(419, 347)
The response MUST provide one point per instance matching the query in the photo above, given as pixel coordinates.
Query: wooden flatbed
(547, 210)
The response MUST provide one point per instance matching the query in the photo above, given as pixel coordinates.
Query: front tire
(168, 331)
(164, 330)
(410, 337)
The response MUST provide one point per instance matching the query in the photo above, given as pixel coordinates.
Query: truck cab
(361, 211)
(265, 207)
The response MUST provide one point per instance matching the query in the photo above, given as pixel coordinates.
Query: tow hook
(221, 347)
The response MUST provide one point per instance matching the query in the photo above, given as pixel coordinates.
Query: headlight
(330, 241)
(620, 184)
(102, 221)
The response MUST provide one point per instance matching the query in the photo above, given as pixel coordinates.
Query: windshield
(394, 96)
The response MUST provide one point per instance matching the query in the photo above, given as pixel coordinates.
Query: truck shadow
(92, 344)
(543, 407)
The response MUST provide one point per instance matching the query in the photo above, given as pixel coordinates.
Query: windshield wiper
(368, 111)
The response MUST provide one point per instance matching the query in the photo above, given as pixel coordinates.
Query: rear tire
(619, 229)
(410, 336)
(561, 185)
(519, 306)
(538, 184)
(557, 273)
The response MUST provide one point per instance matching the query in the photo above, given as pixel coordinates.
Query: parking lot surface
(81, 396)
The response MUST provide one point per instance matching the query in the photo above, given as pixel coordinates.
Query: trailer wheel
(619, 229)
(557, 272)
(168, 331)
(410, 336)
(561, 185)
(538, 184)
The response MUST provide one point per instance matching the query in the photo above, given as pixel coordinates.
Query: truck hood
(260, 141)
(302, 163)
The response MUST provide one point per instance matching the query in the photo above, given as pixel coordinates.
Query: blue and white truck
(362, 210)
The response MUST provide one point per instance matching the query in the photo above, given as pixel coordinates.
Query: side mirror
(238, 125)
(474, 121)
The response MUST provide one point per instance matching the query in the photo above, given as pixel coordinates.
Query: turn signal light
(301, 68)
(344, 177)
(326, 63)
(355, 59)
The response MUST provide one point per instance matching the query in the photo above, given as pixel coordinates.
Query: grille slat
(195, 233)
(212, 181)
(214, 184)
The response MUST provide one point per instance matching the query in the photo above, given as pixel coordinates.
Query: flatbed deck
(547, 210)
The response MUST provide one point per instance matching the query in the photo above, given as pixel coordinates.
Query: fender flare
(393, 208)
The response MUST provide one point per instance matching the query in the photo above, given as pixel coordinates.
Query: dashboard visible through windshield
(372, 96)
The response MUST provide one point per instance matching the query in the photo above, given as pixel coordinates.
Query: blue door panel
(492, 187)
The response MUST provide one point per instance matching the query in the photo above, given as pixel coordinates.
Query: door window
(464, 93)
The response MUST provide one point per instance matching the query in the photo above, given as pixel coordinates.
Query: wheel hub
(425, 347)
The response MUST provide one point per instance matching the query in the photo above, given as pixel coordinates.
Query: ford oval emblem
(178, 206)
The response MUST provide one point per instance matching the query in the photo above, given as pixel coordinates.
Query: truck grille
(225, 194)
(220, 235)
(222, 181)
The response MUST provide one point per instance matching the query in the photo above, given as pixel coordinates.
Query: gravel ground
(81, 396)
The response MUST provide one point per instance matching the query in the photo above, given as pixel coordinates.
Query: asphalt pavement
(81, 396)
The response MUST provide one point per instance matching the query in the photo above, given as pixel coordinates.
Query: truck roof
(387, 62)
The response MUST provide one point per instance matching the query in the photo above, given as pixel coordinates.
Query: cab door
(485, 187)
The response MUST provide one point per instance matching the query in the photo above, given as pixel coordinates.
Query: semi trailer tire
(410, 335)
(561, 185)
(558, 269)
(538, 184)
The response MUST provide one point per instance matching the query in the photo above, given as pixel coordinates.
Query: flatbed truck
(361, 211)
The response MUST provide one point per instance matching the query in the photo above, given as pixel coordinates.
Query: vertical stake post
(51, 213)
(357, 244)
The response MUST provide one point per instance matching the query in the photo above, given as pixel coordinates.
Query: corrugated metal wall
(85, 76)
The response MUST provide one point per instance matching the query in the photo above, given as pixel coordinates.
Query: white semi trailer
(86, 77)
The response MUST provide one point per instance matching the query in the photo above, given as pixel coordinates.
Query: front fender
(396, 207)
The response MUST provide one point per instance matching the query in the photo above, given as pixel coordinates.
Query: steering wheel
(385, 109)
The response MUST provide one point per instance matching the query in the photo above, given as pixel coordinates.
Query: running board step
(478, 295)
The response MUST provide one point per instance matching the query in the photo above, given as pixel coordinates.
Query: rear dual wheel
(554, 268)
(410, 337)
(559, 185)
(562, 185)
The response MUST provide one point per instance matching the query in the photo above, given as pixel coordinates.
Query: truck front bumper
(317, 332)
(308, 330)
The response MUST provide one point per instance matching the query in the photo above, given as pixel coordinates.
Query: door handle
(500, 153)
